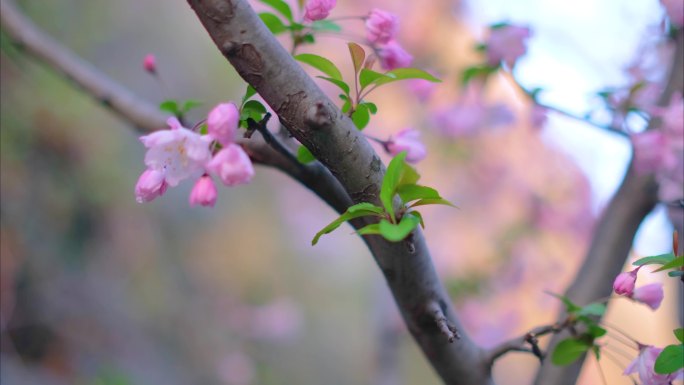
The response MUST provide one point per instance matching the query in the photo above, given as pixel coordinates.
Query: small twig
(443, 324)
(518, 344)
(270, 139)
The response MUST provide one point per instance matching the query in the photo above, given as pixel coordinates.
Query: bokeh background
(99, 290)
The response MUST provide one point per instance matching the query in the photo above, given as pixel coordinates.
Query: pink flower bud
(624, 283)
(150, 63)
(222, 122)
(651, 295)
(204, 193)
(507, 44)
(151, 184)
(381, 26)
(232, 165)
(392, 56)
(407, 140)
(318, 9)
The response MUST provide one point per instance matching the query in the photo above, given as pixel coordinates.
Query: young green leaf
(170, 106)
(570, 307)
(395, 233)
(361, 116)
(438, 201)
(252, 109)
(393, 175)
(366, 206)
(670, 359)
(320, 63)
(481, 71)
(567, 351)
(282, 7)
(679, 334)
(304, 156)
(412, 73)
(593, 309)
(273, 22)
(189, 105)
(372, 108)
(674, 264)
(347, 215)
(661, 259)
(372, 229)
(326, 25)
(343, 86)
(368, 77)
(412, 192)
(419, 216)
(358, 55)
(249, 92)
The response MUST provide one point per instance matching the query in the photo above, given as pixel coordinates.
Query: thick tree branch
(317, 123)
(613, 237)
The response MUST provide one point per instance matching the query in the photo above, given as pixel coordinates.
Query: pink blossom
(381, 26)
(675, 11)
(650, 151)
(651, 295)
(150, 63)
(471, 114)
(232, 165)
(204, 192)
(423, 89)
(392, 56)
(407, 140)
(222, 122)
(506, 43)
(318, 9)
(177, 153)
(151, 184)
(624, 282)
(643, 365)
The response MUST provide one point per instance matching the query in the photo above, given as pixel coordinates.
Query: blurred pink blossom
(222, 122)
(407, 140)
(150, 63)
(624, 282)
(471, 114)
(643, 365)
(151, 184)
(177, 153)
(651, 295)
(204, 192)
(423, 89)
(651, 151)
(392, 56)
(538, 115)
(506, 43)
(675, 11)
(318, 9)
(232, 165)
(381, 26)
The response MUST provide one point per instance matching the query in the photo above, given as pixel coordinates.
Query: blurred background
(97, 289)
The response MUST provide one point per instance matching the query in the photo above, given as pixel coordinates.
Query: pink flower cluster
(661, 151)
(650, 295)
(318, 9)
(381, 32)
(643, 365)
(506, 44)
(178, 153)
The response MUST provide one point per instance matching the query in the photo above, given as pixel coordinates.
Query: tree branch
(613, 237)
(331, 137)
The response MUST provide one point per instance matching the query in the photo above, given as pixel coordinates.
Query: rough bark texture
(612, 239)
(331, 136)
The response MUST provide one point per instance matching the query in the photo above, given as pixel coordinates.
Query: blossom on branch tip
(150, 63)
(318, 9)
(204, 192)
(381, 26)
(393, 56)
(407, 140)
(643, 365)
(151, 184)
(650, 295)
(232, 165)
(624, 282)
(506, 44)
(222, 123)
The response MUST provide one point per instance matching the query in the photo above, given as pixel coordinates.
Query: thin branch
(519, 343)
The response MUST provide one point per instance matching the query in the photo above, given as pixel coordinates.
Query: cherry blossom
(232, 165)
(506, 43)
(624, 282)
(151, 184)
(392, 56)
(651, 295)
(318, 9)
(381, 27)
(643, 365)
(222, 122)
(204, 192)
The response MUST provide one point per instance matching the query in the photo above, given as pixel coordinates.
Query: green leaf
(390, 182)
(358, 56)
(371, 229)
(320, 63)
(676, 273)
(568, 350)
(252, 109)
(346, 106)
(170, 106)
(499, 25)
(395, 233)
(189, 105)
(361, 116)
(670, 359)
(593, 309)
(570, 307)
(679, 334)
(308, 38)
(419, 216)
(661, 259)
(282, 7)
(347, 215)
(479, 71)
(371, 107)
(343, 86)
(366, 206)
(412, 73)
(674, 264)
(325, 25)
(273, 22)
(368, 77)
(249, 92)
(412, 192)
(439, 201)
(596, 331)
(304, 156)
